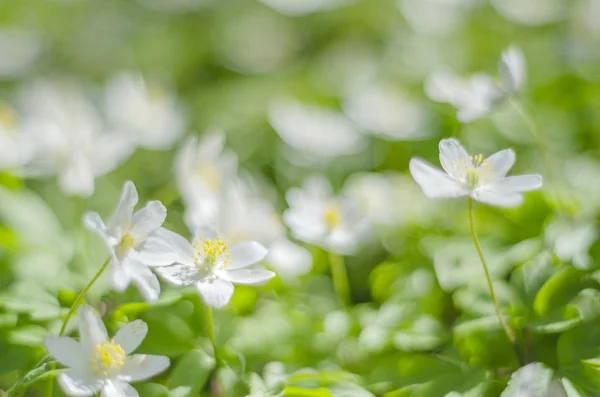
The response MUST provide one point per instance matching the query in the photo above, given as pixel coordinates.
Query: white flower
(212, 266)
(476, 96)
(303, 7)
(203, 169)
(148, 112)
(484, 179)
(318, 217)
(97, 364)
(134, 243)
(16, 147)
(319, 134)
(69, 138)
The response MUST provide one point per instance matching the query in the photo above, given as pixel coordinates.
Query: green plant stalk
(340, 277)
(509, 333)
(211, 334)
(76, 303)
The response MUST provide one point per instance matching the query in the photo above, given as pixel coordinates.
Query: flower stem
(76, 303)
(509, 333)
(211, 334)
(340, 277)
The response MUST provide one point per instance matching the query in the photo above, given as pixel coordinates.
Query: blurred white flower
(20, 49)
(69, 137)
(435, 17)
(133, 241)
(202, 170)
(483, 179)
(16, 147)
(97, 364)
(531, 12)
(303, 7)
(319, 133)
(316, 216)
(212, 266)
(143, 110)
(385, 113)
(571, 242)
(476, 96)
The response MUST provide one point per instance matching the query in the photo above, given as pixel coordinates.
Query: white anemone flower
(476, 96)
(203, 168)
(16, 147)
(134, 243)
(212, 266)
(144, 110)
(69, 138)
(97, 364)
(318, 217)
(483, 179)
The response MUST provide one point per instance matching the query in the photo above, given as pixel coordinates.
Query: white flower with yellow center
(483, 179)
(212, 265)
(97, 364)
(133, 242)
(318, 217)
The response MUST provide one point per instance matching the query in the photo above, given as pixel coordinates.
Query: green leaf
(152, 390)
(291, 391)
(424, 333)
(560, 289)
(192, 371)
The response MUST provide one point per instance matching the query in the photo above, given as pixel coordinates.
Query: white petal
(93, 221)
(178, 274)
(205, 232)
(496, 198)
(120, 277)
(117, 388)
(180, 244)
(289, 259)
(157, 252)
(77, 178)
(65, 350)
(512, 70)
(216, 293)
(92, 331)
(249, 276)
(502, 162)
(124, 211)
(434, 182)
(452, 153)
(143, 366)
(131, 335)
(246, 254)
(148, 219)
(143, 278)
(516, 184)
(75, 387)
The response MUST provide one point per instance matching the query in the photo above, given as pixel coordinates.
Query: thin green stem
(509, 333)
(340, 277)
(211, 334)
(76, 303)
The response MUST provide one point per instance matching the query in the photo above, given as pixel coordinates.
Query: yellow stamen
(127, 242)
(333, 216)
(210, 175)
(473, 171)
(7, 117)
(107, 358)
(209, 254)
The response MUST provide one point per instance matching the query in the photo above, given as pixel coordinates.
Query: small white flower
(303, 7)
(212, 266)
(97, 364)
(148, 112)
(318, 217)
(134, 243)
(476, 96)
(16, 147)
(483, 179)
(203, 169)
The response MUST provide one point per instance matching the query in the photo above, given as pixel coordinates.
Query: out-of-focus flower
(133, 241)
(16, 146)
(385, 113)
(97, 364)
(435, 17)
(203, 169)
(319, 133)
(483, 179)
(476, 96)
(20, 49)
(69, 137)
(212, 266)
(143, 110)
(318, 217)
(303, 7)
(572, 242)
(531, 12)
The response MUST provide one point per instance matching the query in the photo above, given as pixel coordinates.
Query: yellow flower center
(107, 359)
(7, 117)
(127, 242)
(210, 254)
(333, 216)
(210, 176)
(474, 171)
